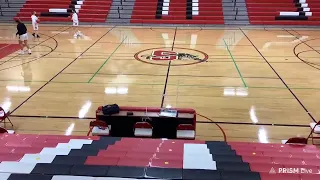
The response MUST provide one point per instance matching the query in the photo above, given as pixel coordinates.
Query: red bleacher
(91, 10)
(279, 161)
(263, 12)
(42, 157)
(210, 12)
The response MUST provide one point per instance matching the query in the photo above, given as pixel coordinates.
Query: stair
(124, 14)
(10, 10)
(59, 10)
(230, 9)
(58, 157)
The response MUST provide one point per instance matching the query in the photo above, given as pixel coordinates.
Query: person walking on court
(35, 25)
(75, 24)
(23, 36)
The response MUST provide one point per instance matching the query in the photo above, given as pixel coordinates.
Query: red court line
(7, 49)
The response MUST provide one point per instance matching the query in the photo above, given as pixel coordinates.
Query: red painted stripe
(6, 49)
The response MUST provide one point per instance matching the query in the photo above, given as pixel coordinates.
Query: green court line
(107, 60)
(234, 62)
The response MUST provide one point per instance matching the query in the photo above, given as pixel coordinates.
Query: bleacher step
(235, 12)
(125, 11)
(10, 12)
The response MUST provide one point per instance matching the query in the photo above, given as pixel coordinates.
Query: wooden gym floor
(258, 84)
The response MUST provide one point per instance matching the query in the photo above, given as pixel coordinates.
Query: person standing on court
(75, 24)
(23, 36)
(35, 25)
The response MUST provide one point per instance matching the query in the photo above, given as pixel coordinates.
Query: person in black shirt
(23, 36)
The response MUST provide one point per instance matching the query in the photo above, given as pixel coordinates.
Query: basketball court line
(235, 64)
(61, 70)
(212, 60)
(89, 92)
(161, 44)
(50, 37)
(106, 60)
(148, 84)
(305, 42)
(29, 61)
(168, 71)
(310, 115)
(202, 122)
(174, 75)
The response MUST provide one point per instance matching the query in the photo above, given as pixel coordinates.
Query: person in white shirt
(35, 25)
(75, 24)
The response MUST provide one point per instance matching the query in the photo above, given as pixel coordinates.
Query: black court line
(181, 44)
(169, 65)
(34, 59)
(177, 75)
(202, 122)
(50, 37)
(293, 31)
(61, 71)
(305, 42)
(254, 124)
(213, 56)
(310, 115)
(311, 64)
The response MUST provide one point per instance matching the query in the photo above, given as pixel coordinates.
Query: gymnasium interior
(160, 89)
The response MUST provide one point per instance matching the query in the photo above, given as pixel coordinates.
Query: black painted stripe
(168, 71)
(159, 9)
(291, 18)
(302, 13)
(298, 4)
(54, 14)
(198, 121)
(189, 9)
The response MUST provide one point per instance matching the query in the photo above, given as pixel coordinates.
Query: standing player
(23, 36)
(35, 25)
(75, 24)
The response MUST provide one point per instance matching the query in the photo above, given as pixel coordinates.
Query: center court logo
(179, 57)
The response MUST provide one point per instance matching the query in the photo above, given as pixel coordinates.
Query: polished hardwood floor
(258, 84)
